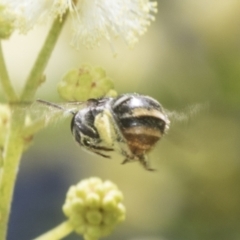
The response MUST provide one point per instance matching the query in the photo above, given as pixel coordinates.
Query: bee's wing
(178, 135)
(48, 109)
(187, 114)
(46, 112)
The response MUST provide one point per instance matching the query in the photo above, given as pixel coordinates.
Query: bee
(130, 124)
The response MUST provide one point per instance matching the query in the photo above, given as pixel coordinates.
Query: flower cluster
(28, 13)
(94, 208)
(6, 22)
(92, 20)
(83, 83)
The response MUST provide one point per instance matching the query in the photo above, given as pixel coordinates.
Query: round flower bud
(94, 217)
(84, 83)
(94, 208)
(5, 115)
(111, 93)
(6, 23)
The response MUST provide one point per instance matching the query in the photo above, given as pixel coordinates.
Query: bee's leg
(145, 163)
(99, 150)
(125, 161)
(100, 154)
(128, 158)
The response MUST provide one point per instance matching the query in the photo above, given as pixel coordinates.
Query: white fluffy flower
(92, 20)
(29, 12)
(99, 19)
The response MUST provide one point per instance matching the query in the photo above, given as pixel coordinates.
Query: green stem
(58, 232)
(13, 152)
(4, 79)
(36, 74)
(15, 144)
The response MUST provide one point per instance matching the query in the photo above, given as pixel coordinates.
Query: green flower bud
(6, 23)
(109, 202)
(94, 208)
(84, 83)
(77, 220)
(5, 115)
(108, 186)
(94, 217)
(77, 205)
(93, 200)
(111, 93)
(94, 232)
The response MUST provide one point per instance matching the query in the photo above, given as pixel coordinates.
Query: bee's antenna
(55, 106)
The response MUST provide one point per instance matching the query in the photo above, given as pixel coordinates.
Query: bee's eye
(86, 142)
(83, 124)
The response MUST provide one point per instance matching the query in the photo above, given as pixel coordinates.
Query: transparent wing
(178, 133)
(186, 114)
(40, 113)
(49, 109)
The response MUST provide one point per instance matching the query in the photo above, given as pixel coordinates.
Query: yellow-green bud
(5, 115)
(77, 205)
(93, 200)
(6, 23)
(85, 82)
(94, 217)
(111, 93)
(94, 208)
(109, 202)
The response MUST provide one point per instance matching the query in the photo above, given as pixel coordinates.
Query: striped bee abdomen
(150, 122)
(141, 139)
(142, 132)
(142, 122)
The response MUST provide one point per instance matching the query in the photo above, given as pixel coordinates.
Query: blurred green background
(190, 55)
